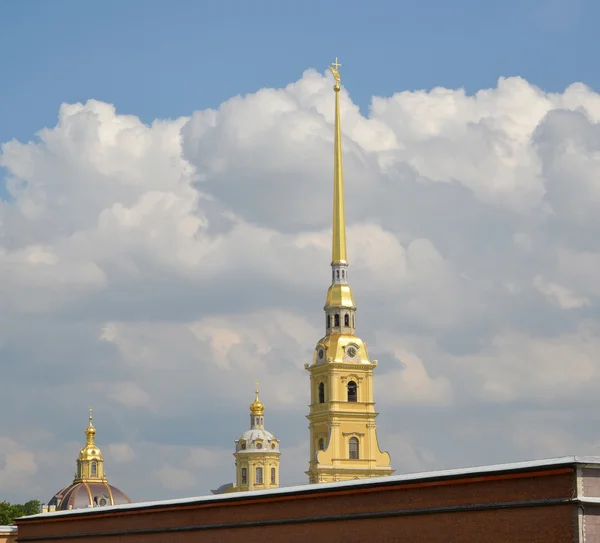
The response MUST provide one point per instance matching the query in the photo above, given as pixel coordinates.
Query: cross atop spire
(336, 74)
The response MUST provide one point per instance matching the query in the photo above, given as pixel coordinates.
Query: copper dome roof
(88, 494)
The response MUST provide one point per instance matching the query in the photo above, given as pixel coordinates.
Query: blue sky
(156, 271)
(159, 59)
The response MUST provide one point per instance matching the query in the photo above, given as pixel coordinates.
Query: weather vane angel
(334, 70)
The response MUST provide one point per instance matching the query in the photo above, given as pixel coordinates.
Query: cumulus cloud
(565, 298)
(17, 464)
(411, 384)
(173, 478)
(156, 271)
(120, 452)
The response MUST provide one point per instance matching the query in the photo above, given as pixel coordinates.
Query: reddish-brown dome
(91, 494)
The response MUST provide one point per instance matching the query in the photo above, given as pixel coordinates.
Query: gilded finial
(336, 74)
(90, 431)
(257, 407)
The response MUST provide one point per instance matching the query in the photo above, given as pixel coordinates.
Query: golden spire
(339, 219)
(257, 407)
(90, 461)
(339, 293)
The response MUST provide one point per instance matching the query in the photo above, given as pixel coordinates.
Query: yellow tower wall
(251, 461)
(337, 420)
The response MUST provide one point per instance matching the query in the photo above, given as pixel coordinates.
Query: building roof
(88, 494)
(357, 483)
(255, 439)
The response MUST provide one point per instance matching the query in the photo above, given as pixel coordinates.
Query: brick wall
(532, 524)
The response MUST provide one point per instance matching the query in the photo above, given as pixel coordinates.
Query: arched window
(94, 469)
(353, 322)
(336, 320)
(273, 476)
(337, 274)
(346, 320)
(321, 392)
(259, 445)
(244, 476)
(259, 476)
(328, 321)
(343, 274)
(243, 445)
(352, 391)
(321, 444)
(353, 448)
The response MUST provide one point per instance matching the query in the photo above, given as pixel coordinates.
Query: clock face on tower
(351, 351)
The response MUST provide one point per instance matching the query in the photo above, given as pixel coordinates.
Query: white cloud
(17, 464)
(564, 297)
(205, 458)
(546, 370)
(174, 478)
(120, 452)
(408, 455)
(127, 394)
(410, 383)
(156, 271)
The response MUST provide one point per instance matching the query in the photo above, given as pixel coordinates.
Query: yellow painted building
(343, 433)
(257, 453)
(256, 456)
(8, 534)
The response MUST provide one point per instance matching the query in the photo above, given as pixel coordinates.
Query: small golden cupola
(257, 407)
(89, 487)
(90, 464)
(256, 455)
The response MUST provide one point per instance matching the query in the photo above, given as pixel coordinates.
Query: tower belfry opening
(343, 434)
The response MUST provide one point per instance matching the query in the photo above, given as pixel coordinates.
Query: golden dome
(90, 451)
(90, 431)
(340, 296)
(257, 407)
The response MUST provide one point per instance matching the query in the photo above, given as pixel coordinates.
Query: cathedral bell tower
(343, 435)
